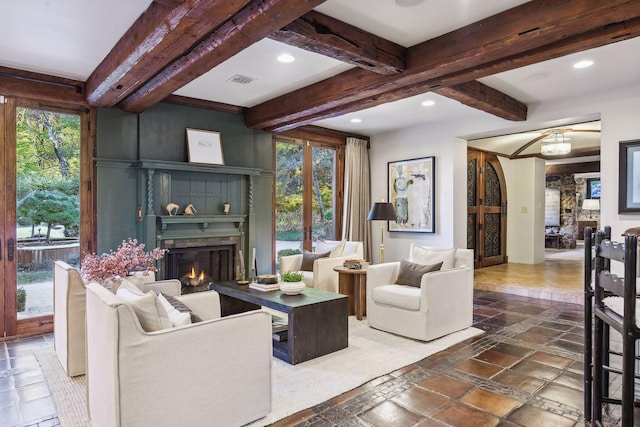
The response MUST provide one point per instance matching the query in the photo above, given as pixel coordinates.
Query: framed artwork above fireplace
(204, 147)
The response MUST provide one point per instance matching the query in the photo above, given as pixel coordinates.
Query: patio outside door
(40, 218)
(486, 209)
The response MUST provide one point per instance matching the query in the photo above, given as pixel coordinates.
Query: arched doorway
(486, 209)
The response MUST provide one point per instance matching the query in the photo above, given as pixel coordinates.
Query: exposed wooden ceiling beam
(484, 98)
(506, 40)
(516, 153)
(254, 22)
(597, 37)
(602, 36)
(154, 40)
(170, 3)
(576, 152)
(336, 39)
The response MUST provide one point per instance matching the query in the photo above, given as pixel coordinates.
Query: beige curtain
(357, 194)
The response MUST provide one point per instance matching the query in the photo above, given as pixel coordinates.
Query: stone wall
(572, 192)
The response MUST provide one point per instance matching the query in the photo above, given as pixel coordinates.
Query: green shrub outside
(32, 276)
(49, 207)
(27, 183)
(21, 297)
(287, 252)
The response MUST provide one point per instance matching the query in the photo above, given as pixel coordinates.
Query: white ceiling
(69, 38)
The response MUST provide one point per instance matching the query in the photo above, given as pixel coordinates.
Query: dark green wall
(159, 134)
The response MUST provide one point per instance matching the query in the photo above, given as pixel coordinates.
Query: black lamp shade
(382, 211)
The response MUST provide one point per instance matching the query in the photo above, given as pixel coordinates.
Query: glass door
(41, 195)
(289, 216)
(305, 194)
(323, 166)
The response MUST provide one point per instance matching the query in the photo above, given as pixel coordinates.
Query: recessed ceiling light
(285, 57)
(585, 63)
(356, 120)
(428, 103)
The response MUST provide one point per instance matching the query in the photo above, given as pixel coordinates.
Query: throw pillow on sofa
(181, 307)
(150, 312)
(309, 257)
(411, 273)
(427, 256)
(176, 317)
(334, 247)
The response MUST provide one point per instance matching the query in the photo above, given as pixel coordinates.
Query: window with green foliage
(48, 170)
(47, 201)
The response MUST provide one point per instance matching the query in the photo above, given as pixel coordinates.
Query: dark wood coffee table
(317, 319)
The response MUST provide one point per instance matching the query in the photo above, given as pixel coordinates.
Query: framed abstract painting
(411, 190)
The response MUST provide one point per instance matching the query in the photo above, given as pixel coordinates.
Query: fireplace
(198, 261)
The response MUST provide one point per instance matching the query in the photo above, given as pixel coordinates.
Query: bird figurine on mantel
(172, 209)
(190, 210)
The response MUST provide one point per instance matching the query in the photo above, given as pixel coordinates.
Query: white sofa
(68, 318)
(215, 372)
(442, 304)
(323, 276)
(69, 312)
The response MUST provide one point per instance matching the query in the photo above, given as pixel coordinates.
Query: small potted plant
(292, 283)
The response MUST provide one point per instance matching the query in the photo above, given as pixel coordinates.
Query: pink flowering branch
(127, 258)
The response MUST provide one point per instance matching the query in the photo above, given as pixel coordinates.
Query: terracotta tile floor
(525, 370)
(500, 378)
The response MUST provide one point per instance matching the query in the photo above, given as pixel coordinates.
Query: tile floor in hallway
(525, 370)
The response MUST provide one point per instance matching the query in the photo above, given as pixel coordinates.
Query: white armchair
(213, 372)
(68, 318)
(441, 305)
(323, 276)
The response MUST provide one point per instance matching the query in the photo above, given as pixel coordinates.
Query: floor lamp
(382, 211)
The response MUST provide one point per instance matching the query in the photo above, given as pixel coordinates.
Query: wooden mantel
(151, 166)
(203, 221)
(196, 167)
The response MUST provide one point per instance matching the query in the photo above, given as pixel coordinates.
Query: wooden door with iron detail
(486, 209)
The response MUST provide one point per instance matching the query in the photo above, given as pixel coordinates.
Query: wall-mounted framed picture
(411, 190)
(204, 146)
(629, 177)
(593, 188)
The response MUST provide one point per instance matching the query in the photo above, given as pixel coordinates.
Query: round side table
(353, 283)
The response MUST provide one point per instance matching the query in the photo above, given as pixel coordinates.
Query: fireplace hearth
(196, 262)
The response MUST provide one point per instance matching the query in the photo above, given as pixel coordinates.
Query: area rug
(371, 354)
(69, 394)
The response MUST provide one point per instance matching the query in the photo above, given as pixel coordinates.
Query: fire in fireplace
(194, 279)
(200, 265)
